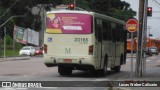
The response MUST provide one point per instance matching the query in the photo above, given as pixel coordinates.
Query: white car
(27, 50)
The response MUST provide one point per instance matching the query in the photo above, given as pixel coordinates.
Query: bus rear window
(68, 23)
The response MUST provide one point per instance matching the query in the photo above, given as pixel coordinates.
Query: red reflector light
(67, 60)
(45, 48)
(91, 50)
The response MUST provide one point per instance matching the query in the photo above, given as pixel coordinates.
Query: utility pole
(140, 35)
(74, 4)
(0, 40)
(5, 29)
(144, 38)
(4, 15)
(4, 43)
(149, 28)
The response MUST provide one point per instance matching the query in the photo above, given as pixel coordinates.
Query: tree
(115, 8)
(8, 40)
(83, 4)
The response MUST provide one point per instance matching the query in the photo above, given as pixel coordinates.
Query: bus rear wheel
(117, 68)
(63, 70)
(103, 71)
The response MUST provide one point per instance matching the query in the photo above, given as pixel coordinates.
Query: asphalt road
(35, 70)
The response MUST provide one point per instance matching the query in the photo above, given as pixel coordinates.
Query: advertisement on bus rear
(68, 23)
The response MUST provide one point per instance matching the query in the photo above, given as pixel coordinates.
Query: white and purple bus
(82, 40)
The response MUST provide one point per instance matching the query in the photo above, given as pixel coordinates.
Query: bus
(150, 42)
(132, 47)
(157, 43)
(153, 42)
(84, 40)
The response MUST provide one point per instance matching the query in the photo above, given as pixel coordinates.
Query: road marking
(48, 87)
(27, 88)
(21, 88)
(122, 77)
(152, 57)
(34, 73)
(25, 75)
(148, 60)
(101, 79)
(134, 60)
(157, 60)
(7, 89)
(129, 60)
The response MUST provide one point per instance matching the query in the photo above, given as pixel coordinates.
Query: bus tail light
(45, 48)
(91, 50)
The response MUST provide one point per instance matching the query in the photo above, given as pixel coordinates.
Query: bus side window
(99, 34)
(113, 28)
(104, 31)
(109, 32)
(98, 30)
(119, 32)
(113, 35)
(124, 34)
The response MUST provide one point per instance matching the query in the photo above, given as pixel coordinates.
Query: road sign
(132, 25)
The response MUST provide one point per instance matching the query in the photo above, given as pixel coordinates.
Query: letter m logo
(67, 50)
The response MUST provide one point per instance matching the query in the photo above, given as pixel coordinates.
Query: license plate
(67, 60)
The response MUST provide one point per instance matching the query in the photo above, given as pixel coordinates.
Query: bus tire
(103, 72)
(122, 59)
(62, 70)
(117, 68)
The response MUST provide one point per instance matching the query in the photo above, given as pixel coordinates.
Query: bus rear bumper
(77, 62)
(85, 67)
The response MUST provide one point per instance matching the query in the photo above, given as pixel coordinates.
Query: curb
(128, 55)
(120, 88)
(14, 58)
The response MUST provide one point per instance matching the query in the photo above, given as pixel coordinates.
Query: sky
(152, 22)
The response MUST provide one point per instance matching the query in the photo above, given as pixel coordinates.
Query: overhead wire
(55, 2)
(157, 3)
(14, 2)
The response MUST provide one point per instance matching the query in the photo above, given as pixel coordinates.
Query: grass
(9, 48)
(9, 52)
